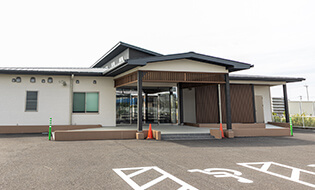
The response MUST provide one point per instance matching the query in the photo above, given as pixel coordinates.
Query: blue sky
(276, 36)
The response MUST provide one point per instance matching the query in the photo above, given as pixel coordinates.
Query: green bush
(297, 120)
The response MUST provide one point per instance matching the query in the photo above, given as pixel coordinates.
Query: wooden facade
(242, 108)
(206, 94)
(170, 76)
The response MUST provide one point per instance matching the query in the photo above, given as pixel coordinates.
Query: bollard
(49, 134)
(291, 128)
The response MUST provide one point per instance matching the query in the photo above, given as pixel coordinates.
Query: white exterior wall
(189, 105)
(184, 65)
(53, 100)
(264, 91)
(107, 100)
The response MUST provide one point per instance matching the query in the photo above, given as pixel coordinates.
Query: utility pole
(308, 98)
(301, 111)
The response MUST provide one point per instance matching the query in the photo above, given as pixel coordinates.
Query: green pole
(49, 134)
(291, 128)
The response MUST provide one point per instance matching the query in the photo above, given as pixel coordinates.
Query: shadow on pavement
(247, 142)
(22, 135)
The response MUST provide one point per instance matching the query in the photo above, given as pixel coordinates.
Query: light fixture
(43, 80)
(77, 81)
(13, 80)
(94, 82)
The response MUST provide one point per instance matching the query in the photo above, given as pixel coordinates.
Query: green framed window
(85, 102)
(31, 101)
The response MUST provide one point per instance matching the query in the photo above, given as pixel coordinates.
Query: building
(132, 85)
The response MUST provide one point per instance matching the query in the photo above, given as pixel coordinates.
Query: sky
(277, 37)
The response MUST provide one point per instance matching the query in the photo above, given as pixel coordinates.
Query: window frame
(85, 103)
(36, 101)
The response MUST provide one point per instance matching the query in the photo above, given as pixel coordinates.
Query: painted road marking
(165, 175)
(311, 165)
(222, 172)
(295, 175)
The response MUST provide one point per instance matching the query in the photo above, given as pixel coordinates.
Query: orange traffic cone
(150, 133)
(221, 129)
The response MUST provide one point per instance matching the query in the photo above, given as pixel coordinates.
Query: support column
(146, 107)
(228, 102)
(254, 105)
(140, 101)
(180, 103)
(170, 104)
(286, 105)
(219, 103)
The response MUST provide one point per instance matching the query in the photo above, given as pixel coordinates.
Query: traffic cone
(221, 129)
(150, 136)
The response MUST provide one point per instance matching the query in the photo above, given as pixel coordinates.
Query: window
(18, 79)
(31, 101)
(85, 102)
(43, 80)
(50, 80)
(32, 80)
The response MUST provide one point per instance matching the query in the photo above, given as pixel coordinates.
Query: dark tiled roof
(265, 78)
(83, 71)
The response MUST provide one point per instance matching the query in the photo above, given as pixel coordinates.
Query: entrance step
(190, 136)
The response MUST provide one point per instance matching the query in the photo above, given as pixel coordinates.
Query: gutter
(71, 99)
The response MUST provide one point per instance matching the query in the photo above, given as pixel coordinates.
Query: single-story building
(132, 85)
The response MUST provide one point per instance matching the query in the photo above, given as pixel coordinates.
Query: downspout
(71, 99)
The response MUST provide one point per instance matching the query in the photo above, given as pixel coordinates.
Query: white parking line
(222, 172)
(141, 170)
(295, 174)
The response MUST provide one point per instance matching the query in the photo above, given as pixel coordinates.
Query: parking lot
(33, 162)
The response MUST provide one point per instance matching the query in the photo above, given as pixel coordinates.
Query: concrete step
(190, 136)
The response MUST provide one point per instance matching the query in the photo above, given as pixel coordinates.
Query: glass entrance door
(161, 107)
(152, 109)
(164, 108)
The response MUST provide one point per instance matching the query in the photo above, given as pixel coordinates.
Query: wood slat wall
(192, 77)
(127, 79)
(241, 104)
(169, 76)
(207, 104)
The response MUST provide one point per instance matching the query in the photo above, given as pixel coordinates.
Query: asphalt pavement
(33, 162)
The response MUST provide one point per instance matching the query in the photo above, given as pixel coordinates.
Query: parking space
(32, 162)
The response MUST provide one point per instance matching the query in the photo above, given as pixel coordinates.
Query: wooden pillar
(146, 107)
(286, 105)
(228, 102)
(140, 101)
(180, 103)
(254, 106)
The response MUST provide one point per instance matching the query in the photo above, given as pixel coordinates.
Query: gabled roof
(132, 63)
(117, 49)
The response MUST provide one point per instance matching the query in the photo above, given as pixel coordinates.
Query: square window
(31, 101)
(85, 102)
